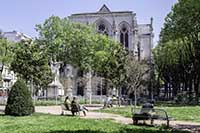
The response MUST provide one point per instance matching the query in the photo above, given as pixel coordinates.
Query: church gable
(104, 9)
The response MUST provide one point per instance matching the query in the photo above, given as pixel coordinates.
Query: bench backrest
(146, 110)
(147, 105)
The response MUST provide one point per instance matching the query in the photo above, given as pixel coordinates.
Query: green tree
(136, 74)
(19, 100)
(6, 54)
(82, 47)
(177, 55)
(115, 67)
(74, 43)
(31, 63)
(167, 60)
(67, 42)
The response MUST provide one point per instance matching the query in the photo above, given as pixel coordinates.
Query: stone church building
(123, 27)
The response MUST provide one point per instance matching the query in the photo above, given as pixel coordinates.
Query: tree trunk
(185, 86)
(175, 88)
(166, 90)
(170, 91)
(196, 88)
(119, 96)
(190, 90)
(150, 90)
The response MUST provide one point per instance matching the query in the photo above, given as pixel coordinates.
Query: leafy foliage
(177, 56)
(6, 51)
(31, 63)
(136, 73)
(6, 54)
(65, 41)
(19, 100)
(116, 71)
(82, 47)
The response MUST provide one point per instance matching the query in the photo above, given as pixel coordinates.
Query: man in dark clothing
(76, 107)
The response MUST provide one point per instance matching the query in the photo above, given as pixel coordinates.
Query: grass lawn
(59, 102)
(185, 113)
(52, 102)
(43, 123)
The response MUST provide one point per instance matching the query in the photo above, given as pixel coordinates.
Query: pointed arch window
(103, 29)
(124, 37)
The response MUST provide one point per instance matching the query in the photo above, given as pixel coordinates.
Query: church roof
(103, 10)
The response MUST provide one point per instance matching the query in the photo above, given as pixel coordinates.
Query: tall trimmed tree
(19, 100)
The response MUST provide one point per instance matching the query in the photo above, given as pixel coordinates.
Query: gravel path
(56, 110)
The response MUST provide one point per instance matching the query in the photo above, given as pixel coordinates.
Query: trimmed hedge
(19, 100)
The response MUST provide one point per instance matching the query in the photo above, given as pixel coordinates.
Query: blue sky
(23, 15)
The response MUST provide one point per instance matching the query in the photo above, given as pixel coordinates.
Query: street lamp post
(135, 101)
(56, 89)
(101, 91)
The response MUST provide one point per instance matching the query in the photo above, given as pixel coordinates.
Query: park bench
(147, 112)
(74, 109)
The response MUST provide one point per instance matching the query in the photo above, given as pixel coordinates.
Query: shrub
(19, 100)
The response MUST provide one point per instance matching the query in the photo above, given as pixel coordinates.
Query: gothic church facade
(121, 26)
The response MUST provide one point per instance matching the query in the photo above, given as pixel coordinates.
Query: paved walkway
(183, 125)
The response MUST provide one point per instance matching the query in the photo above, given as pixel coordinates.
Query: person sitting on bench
(147, 108)
(67, 103)
(76, 107)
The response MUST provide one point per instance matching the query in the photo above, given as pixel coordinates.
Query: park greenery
(84, 48)
(61, 124)
(31, 64)
(136, 74)
(177, 55)
(76, 44)
(176, 112)
(70, 43)
(5, 53)
(19, 100)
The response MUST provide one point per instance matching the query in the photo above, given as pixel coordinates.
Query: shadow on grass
(170, 104)
(2, 114)
(121, 131)
(192, 128)
(143, 129)
(68, 115)
(77, 131)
